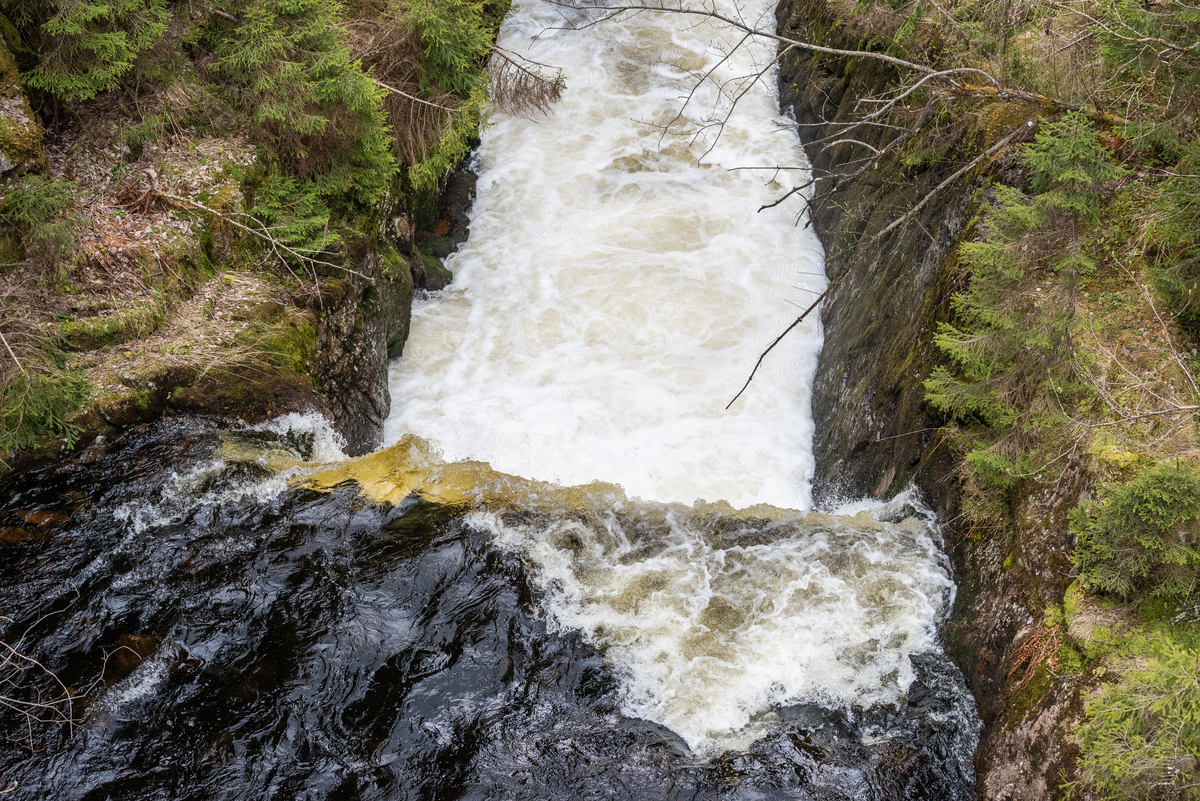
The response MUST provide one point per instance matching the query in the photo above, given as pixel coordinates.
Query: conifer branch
(262, 233)
(521, 90)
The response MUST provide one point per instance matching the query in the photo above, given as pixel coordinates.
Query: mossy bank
(1047, 647)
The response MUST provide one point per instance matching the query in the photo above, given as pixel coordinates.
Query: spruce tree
(84, 47)
(1012, 346)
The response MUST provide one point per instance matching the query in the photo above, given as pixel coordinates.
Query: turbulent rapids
(619, 282)
(621, 276)
(715, 616)
(572, 572)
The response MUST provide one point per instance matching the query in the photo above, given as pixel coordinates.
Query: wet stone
(294, 643)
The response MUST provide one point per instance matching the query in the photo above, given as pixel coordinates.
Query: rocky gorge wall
(875, 432)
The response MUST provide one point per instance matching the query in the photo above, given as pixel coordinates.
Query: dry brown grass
(393, 51)
(25, 309)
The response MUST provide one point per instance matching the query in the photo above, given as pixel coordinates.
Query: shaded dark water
(313, 646)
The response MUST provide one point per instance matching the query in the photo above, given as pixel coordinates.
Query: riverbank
(140, 283)
(1044, 649)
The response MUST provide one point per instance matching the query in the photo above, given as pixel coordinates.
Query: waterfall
(621, 278)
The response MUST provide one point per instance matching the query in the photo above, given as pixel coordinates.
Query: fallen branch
(275, 244)
(1159, 413)
(413, 98)
(8, 347)
(828, 288)
(958, 174)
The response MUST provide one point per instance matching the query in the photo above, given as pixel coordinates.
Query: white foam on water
(619, 285)
(209, 482)
(713, 626)
(327, 444)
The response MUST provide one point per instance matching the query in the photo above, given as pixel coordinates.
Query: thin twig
(958, 174)
(1159, 413)
(4, 339)
(786, 331)
(413, 98)
(275, 243)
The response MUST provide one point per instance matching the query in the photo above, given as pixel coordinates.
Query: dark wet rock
(455, 204)
(356, 336)
(436, 276)
(341, 649)
(250, 393)
(873, 427)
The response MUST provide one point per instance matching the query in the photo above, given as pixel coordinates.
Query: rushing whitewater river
(619, 281)
(572, 572)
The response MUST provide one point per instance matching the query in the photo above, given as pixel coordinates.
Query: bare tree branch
(828, 288)
(958, 174)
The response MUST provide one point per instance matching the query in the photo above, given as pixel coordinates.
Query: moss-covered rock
(20, 135)
(89, 333)
(439, 247)
(250, 392)
(873, 427)
(395, 300)
(355, 339)
(436, 276)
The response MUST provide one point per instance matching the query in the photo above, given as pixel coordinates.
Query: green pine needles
(338, 104)
(1177, 239)
(456, 36)
(42, 212)
(36, 403)
(317, 117)
(1015, 364)
(1143, 538)
(84, 47)
(1142, 736)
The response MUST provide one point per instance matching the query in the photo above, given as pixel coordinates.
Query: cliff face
(875, 433)
(873, 427)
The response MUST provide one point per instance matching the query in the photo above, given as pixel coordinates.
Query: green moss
(21, 143)
(90, 333)
(1027, 698)
(20, 136)
(290, 342)
(1073, 600)
(222, 242)
(395, 295)
(241, 388)
(1071, 659)
(436, 274)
